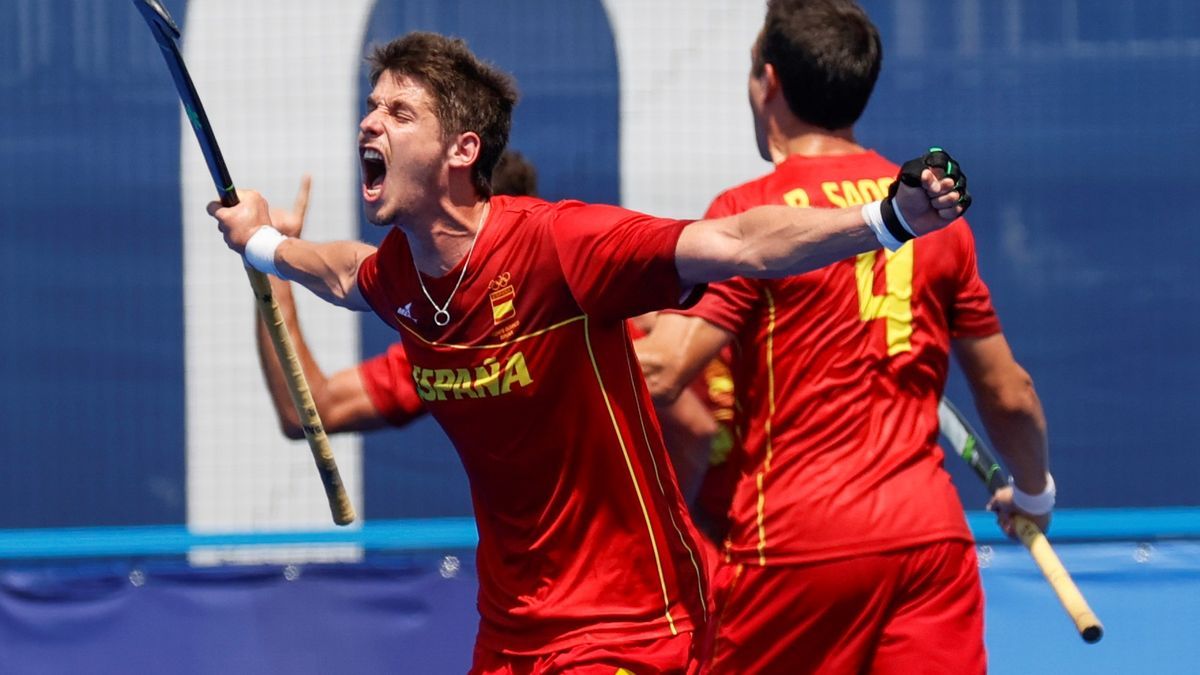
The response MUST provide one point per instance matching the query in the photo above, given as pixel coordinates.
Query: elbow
(663, 391)
(289, 423)
(1013, 398)
(291, 429)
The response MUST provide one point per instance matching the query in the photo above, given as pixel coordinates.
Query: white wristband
(260, 250)
(903, 222)
(1035, 505)
(872, 213)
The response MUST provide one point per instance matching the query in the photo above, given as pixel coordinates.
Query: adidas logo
(406, 312)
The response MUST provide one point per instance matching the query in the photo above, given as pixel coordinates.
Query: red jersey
(389, 384)
(583, 534)
(838, 376)
(710, 509)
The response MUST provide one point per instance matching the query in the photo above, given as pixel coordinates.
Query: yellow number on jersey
(896, 304)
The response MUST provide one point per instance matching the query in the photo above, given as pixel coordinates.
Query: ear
(769, 80)
(464, 150)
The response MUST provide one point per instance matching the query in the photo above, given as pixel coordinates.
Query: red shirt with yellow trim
(583, 536)
(387, 378)
(838, 376)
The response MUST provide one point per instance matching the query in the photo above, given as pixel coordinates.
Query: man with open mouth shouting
(511, 310)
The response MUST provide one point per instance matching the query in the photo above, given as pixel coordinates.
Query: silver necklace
(441, 315)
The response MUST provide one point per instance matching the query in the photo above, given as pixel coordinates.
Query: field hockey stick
(166, 33)
(969, 445)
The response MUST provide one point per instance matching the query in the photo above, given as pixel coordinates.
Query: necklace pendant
(441, 318)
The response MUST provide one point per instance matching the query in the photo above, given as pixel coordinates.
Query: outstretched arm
(330, 270)
(342, 397)
(1012, 414)
(779, 241)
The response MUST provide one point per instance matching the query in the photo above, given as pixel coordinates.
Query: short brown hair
(827, 55)
(514, 175)
(468, 94)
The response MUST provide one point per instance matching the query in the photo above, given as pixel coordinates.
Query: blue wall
(1076, 128)
(91, 318)
(1077, 131)
(416, 614)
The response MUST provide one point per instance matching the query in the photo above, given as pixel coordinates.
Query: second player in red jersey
(512, 314)
(848, 550)
(839, 375)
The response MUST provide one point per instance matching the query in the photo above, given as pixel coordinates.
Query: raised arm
(779, 241)
(330, 270)
(1012, 414)
(342, 398)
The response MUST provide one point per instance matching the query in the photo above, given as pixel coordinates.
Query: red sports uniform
(838, 376)
(583, 535)
(388, 381)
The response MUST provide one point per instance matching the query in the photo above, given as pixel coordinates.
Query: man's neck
(810, 141)
(442, 239)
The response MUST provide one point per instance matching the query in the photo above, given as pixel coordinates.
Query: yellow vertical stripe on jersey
(662, 579)
(633, 369)
(896, 305)
(767, 428)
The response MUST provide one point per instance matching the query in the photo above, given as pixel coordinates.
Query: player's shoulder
(799, 170)
(738, 198)
(523, 208)
(519, 213)
(519, 204)
(950, 250)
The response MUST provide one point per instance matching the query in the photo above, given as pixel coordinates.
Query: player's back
(838, 378)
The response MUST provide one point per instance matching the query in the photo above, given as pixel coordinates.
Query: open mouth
(373, 171)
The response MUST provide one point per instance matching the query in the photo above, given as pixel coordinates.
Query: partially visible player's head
(434, 106)
(514, 175)
(824, 56)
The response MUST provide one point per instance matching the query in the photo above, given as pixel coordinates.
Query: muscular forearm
(778, 243)
(772, 241)
(1009, 407)
(1012, 414)
(329, 270)
(341, 398)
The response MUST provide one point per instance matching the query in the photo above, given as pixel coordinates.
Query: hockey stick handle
(969, 445)
(314, 431)
(1086, 621)
(166, 33)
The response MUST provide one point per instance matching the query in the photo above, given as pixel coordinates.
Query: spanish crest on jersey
(504, 309)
